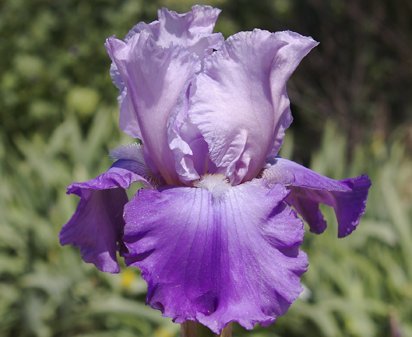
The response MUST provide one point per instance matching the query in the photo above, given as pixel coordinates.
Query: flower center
(216, 184)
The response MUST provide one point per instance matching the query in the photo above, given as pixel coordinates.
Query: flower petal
(284, 64)
(228, 254)
(192, 29)
(131, 157)
(239, 101)
(152, 68)
(97, 225)
(155, 78)
(127, 120)
(309, 189)
(187, 144)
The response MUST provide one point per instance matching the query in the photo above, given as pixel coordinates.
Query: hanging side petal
(309, 189)
(217, 253)
(97, 225)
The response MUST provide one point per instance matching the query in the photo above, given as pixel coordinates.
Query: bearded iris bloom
(216, 229)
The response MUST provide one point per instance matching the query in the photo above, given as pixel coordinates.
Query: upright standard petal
(187, 144)
(309, 189)
(192, 30)
(284, 64)
(97, 225)
(152, 68)
(155, 78)
(217, 254)
(127, 119)
(239, 101)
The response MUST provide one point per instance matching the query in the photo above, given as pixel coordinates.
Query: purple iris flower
(215, 230)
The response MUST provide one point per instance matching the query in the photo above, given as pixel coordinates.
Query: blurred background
(352, 103)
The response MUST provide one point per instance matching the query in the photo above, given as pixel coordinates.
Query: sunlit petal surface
(239, 101)
(309, 189)
(217, 255)
(97, 225)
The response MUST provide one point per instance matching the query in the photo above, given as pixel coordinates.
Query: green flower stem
(194, 329)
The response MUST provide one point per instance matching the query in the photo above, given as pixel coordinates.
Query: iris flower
(216, 230)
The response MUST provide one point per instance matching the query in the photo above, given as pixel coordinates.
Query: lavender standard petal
(131, 157)
(155, 78)
(309, 189)
(189, 148)
(193, 30)
(128, 121)
(152, 68)
(217, 255)
(284, 64)
(239, 101)
(97, 225)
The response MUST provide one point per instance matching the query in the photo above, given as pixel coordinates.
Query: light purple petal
(97, 225)
(217, 255)
(192, 29)
(189, 148)
(128, 121)
(131, 157)
(284, 64)
(152, 28)
(152, 68)
(180, 132)
(155, 78)
(239, 101)
(309, 189)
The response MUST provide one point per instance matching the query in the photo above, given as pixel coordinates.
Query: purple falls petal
(239, 101)
(97, 225)
(309, 189)
(218, 255)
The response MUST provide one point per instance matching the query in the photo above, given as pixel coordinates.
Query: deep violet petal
(309, 189)
(229, 254)
(97, 225)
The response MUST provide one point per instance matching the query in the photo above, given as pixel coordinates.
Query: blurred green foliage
(58, 118)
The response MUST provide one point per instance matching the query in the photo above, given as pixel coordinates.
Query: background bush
(58, 118)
